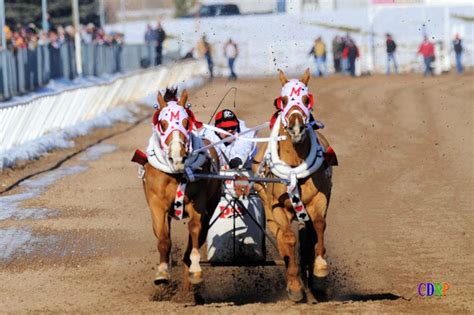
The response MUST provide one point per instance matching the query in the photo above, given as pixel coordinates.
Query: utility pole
(2, 24)
(122, 15)
(371, 12)
(4, 49)
(77, 36)
(102, 13)
(44, 16)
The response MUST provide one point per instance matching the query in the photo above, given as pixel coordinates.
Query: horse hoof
(295, 295)
(195, 277)
(321, 273)
(162, 278)
(321, 268)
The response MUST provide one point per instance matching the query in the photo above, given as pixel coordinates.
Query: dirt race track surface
(401, 213)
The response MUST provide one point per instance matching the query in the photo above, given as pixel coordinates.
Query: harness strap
(179, 201)
(280, 169)
(295, 199)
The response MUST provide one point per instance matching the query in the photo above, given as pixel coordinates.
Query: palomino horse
(168, 154)
(300, 160)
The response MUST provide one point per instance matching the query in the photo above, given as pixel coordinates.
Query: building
(29, 11)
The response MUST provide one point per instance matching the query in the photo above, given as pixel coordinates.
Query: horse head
(174, 123)
(295, 103)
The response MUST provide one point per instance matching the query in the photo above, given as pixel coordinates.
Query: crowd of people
(345, 54)
(27, 42)
(31, 36)
(344, 49)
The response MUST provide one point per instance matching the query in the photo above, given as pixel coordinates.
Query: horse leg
(186, 285)
(194, 226)
(286, 239)
(321, 268)
(161, 228)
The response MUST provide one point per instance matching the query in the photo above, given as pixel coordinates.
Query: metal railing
(24, 70)
(21, 123)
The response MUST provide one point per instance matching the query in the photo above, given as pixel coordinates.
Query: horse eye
(305, 100)
(163, 125)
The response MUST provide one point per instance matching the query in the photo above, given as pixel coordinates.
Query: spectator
(19, 41)
(337, 47)
(61, 34)
(319, 53)
(351, 53)
(101, 38)
(9, 37)
(427, 51)
(150, 43)
(149, 35)
(344, 61)
(43, 38)
(49, 24)
(31, 38)
(231, 51)
(70, 33)
(160, 37)
(117, 42)
(87, 33)
(391, 47)
(458, 49)
(204, 49)
(55, 55)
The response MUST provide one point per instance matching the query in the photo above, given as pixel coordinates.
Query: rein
(280, 169)
(158, 158)
(239, 136)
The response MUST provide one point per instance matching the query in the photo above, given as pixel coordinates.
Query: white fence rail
(24, 122)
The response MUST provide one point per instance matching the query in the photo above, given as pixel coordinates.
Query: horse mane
(171, 94)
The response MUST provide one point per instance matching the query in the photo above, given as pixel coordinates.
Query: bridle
(292, 94)
(175, 114)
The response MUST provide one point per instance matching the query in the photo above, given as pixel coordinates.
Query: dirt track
(401, 211)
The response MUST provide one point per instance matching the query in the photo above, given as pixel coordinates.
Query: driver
(235, 153)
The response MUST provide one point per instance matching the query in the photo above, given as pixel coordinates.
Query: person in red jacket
(427, 51)
(351, 53)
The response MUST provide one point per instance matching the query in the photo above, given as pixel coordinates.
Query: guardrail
(24, 70)
(21, 123)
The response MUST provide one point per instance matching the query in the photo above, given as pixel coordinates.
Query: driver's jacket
(242, 149)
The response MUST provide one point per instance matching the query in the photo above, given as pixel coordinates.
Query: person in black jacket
(54, 47)
(391, 47)
(160, 37)
(457, 45)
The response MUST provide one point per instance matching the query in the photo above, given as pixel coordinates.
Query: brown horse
(314, 185)
(173, 128)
